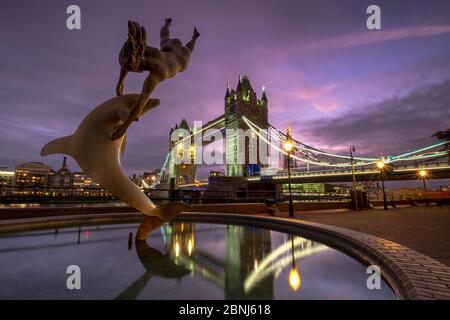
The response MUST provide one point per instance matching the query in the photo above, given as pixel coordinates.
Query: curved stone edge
(411, 275)
(35, 224)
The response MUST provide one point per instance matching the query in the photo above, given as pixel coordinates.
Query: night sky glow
(328, 77)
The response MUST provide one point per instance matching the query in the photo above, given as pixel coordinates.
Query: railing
(199, 195)
(297, 173)
(69, 195)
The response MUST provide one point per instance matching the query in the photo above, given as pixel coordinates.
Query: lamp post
(380, 165)
(289, 148)
(423, 174)
(352, 149)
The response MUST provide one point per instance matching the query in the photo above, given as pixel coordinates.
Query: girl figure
(162, 64)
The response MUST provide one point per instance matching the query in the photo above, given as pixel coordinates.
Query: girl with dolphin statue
(99, 141)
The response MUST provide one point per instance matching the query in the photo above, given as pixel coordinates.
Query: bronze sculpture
(91, 145)
(162, 64)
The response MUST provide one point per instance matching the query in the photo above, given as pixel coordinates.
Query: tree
(444, 136)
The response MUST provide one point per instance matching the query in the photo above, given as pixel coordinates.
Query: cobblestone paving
(424, 229)
(412, 274)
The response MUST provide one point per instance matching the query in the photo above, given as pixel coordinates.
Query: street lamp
(289, 148)
(352, 149)
(423, 174)
(380, 165)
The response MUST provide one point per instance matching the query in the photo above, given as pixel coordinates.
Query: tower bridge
(243, 110)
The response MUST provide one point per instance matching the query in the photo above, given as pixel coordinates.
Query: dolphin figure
(99, 156)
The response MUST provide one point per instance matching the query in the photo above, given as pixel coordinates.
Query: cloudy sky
(328, 77)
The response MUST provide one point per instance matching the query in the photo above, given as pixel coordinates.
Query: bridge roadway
(438, 170)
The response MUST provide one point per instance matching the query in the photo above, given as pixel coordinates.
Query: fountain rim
(405, 270)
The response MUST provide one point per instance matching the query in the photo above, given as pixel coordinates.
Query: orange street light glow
(294, 279)
(380, 165)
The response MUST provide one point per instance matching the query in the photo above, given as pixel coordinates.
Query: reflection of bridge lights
(294, 279)
(276, 261)
(190, 247)
(294, 276)
(177, 249)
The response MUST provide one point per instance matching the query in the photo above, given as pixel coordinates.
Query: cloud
(392, 126)
(327, 105)
(308, 92)
(373, 37)
(322, 98)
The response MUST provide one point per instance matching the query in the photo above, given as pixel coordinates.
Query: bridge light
(423, 173)
(294, 279)
(386, 159)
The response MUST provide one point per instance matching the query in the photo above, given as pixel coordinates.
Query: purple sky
(328, 77)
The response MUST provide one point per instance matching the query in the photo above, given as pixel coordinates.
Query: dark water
(178, 261)
(62, 205)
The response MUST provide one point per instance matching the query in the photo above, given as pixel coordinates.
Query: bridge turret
(227, 93)
(243, 102)
(263, 100)
(181, 170)
(239, 93)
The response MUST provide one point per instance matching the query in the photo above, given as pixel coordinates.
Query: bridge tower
(238, 103)
(183, 172)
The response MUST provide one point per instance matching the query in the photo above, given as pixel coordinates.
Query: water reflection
(155, 264)
(251, 264)
(179, 260)
(294, 276)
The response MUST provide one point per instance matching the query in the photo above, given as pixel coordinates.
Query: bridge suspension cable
(159, 177)
(281, 137)
(315, 162)
(201, 130)
(409, 156)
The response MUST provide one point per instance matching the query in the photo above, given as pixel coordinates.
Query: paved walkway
(424, 229)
